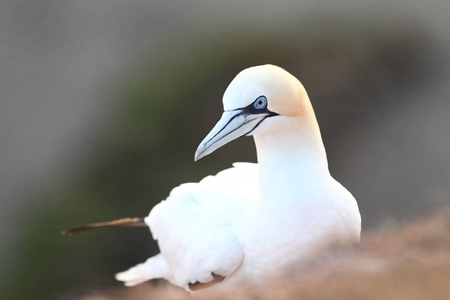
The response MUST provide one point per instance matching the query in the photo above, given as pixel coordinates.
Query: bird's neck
(292, 160)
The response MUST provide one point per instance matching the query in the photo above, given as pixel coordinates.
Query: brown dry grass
(410, 263)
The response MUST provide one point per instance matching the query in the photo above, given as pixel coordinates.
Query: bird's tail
(152, 268)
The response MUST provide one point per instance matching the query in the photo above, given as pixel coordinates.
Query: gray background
(62, 64)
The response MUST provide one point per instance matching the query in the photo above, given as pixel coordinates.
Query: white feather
(196, 225)
(251, 220)
(154, 267)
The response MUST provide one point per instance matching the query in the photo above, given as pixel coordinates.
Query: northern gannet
(252, 220)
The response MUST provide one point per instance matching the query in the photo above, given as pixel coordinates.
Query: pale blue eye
(260, 103)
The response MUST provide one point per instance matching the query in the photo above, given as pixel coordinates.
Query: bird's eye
(260, 103)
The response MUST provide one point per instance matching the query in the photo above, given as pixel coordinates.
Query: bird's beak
(232, 125)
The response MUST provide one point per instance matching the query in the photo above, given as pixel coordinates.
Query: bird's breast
(276, 239)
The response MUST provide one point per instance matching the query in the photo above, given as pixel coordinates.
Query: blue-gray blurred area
(103, 104)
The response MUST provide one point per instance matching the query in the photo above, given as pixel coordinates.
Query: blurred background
(103, 104)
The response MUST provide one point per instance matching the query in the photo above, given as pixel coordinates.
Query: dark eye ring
(260, 103)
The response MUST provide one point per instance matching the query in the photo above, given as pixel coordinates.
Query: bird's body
(220, 226)
(252, 220)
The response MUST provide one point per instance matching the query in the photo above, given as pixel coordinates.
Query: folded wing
(198, 226)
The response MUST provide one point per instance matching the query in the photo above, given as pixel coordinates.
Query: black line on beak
(228, 123)
(249, 110)
(271, 114)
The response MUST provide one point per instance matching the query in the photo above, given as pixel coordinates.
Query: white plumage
(250, 221)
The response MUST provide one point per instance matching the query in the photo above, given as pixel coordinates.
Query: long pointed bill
(232, 125)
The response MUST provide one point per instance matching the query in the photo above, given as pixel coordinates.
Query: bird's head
(254, 101)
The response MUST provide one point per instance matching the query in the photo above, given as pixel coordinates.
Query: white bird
(252, 220)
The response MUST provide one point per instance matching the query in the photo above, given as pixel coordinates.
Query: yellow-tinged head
(283, 91)
(255, 95)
